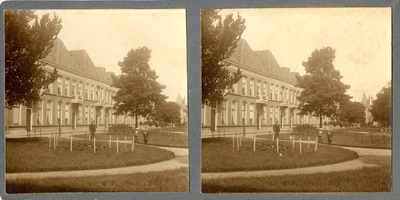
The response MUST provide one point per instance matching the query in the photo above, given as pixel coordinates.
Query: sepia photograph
(296, 100)
(96, 101)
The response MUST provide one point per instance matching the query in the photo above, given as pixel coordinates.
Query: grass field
(157, 138)
(34, 155)
(166, 181)
(219, 156)
(376, 179)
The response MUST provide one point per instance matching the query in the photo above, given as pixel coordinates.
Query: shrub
(120, 129)
(305, 129)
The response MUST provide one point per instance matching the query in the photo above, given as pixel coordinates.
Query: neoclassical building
(82, 94)
(266, 93)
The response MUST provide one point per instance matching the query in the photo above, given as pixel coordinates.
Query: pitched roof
(77, 61)
(262, 61)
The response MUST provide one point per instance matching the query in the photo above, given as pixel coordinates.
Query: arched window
(87, 114)
(258, 89)
(223, 113)
(244, 117)
(271, 115)
(79, 89)
(80, 114)
(74, 88)
(244, 85)
(49, 112)
(251, 92)
(92, 93)
(265, 94)
(92, 113)
(271, 92)
(265, 115)
(234, 112)
(66, 93)
(60, 85)
(87, 91)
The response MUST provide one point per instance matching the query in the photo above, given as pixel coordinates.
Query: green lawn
(345, 138)
(219, 156)
(34, 155)
(166, 181)
(376, 179)
(158, 138)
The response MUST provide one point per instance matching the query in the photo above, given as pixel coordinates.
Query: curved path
(160, 166)
(344, 166)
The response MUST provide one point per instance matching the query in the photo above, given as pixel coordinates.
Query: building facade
(183, 108)
(266, 93)
(82, 94)
(367, 104)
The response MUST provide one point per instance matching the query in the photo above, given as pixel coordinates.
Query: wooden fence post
(277, 144)
(50, 140)
(109, 141)
(133, 143)
(293, 139)
(71, 143)
(316, 144)
(94, 144)
(233, 142)
(300, 145)
(117, 144)
(125, 142)
(308, 143)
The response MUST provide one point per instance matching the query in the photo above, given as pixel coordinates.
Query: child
(329, 134)
(320, 136)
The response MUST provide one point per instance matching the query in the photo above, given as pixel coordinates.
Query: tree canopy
(381, 108)
(27, 40)
(218, 41)
(323, 90)
(352, 112)
(139, 91)
(168, 112)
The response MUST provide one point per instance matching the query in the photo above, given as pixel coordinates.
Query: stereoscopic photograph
(96, 101)
(296, 100)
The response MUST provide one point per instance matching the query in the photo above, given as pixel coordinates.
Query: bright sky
(108, 35)
(360, 36)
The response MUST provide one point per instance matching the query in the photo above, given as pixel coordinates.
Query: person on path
(136, 135)
(329, 135)
(320, 136)
(145, 137)
(277, 129)
(92, 129)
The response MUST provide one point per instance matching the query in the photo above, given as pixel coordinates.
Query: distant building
(367, 104)
(82, 94)
(183, 105)
(267, 93)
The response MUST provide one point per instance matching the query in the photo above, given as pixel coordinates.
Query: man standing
(277, 129)
(92, 129)
(136, 135)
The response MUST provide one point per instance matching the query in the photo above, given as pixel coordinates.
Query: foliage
(168, 112)
(27, 40)
(138, 90)
(305, 129)
(352, 112)
(218, 41)
(120, 129)
(381, 108)
(322, 86)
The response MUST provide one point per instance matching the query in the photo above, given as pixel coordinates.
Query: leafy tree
(381, 108)
(323, 90)
(352, 112)
(27, 40)
(168, 112)
(139, 90)
(218, 41)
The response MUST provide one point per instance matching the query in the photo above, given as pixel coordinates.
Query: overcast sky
(360, 36)
(108, 35)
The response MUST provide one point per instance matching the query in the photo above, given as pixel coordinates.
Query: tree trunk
(320, 120)
(136, 122)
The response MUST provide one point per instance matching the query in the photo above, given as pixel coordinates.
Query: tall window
(271, 92)
(39, 113)
(276, 114)
(265, 115)
(66, 93)
(60, 86)
(87, 91)
(234, 88)
(17, 115)
(87, 114)
(49, 116)
(244, 118)
(258, 88)
(223, 113)
(276, 92)
(251, 114)
(92, 113)
(264, 93)
(244, 86)
(50, 88)
(271, 115)
(80, 114)
(251, 92)
(97, 93)
(59, 111)
(74, 88)
(233, 112)
(91, 93)
(79, 89)
(66, 113)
